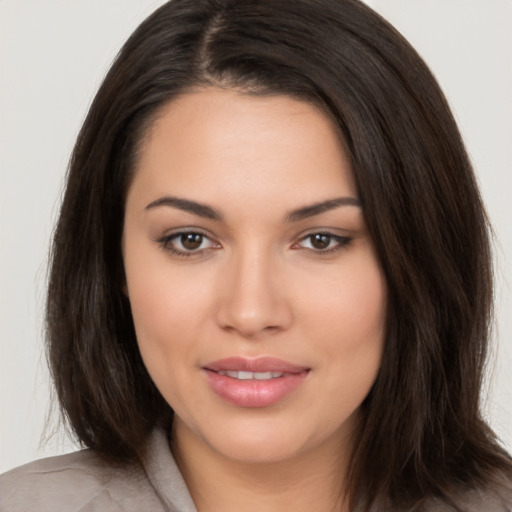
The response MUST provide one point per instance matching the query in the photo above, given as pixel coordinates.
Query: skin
(257, 285)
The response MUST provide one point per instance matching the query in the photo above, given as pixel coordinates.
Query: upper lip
(260, 364)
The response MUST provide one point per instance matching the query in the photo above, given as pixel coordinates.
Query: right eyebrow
(202, 210)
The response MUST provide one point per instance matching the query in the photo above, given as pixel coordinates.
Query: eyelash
(166, 242)
(341, 242)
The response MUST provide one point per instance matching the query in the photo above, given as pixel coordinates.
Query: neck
(309, 481)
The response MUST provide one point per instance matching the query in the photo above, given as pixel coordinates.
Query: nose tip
(250, 323)
(253, 302)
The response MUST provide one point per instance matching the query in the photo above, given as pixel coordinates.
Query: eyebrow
(323, 206)
(203, 210)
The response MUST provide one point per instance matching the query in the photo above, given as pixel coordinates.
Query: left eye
(323, 242)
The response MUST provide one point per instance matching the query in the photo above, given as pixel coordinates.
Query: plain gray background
(53, 55)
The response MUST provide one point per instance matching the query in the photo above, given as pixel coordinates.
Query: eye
(323, 242)
(186, 243)
(190, 241)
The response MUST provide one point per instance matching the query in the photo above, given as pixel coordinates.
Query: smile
(253, 383)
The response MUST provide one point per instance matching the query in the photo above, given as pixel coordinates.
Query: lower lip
(253, 392)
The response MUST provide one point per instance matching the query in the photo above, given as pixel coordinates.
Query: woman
(271, 281)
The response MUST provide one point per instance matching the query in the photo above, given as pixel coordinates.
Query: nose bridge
(253, 300)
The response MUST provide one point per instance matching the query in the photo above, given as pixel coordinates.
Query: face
(257, 297)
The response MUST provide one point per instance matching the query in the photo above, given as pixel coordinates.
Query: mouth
(253, 383)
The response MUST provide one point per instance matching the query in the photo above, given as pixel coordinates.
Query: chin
(248, 440)
(269, 441)
(261, 451)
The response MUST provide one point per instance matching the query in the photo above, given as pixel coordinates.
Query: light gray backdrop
(53, 55)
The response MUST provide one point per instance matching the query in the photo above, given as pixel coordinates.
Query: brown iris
(320, 241)
(191, 241)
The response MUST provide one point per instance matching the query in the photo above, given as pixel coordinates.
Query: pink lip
(254, 393)
(261, 364)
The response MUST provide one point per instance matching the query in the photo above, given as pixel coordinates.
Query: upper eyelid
(334, 232)
(334, 236)
(182, 231)
(177, 234)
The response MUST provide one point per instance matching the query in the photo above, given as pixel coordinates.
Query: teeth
(250, 375)
(263, 375)
(243, 375)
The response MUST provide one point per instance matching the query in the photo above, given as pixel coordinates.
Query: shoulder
(494, 499)
(78, 481)
(497, 498)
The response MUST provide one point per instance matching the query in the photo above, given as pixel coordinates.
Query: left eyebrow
(318, 208)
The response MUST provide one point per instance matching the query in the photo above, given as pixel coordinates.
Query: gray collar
(165, 476)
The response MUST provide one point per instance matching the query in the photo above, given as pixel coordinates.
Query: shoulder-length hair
(422, 433)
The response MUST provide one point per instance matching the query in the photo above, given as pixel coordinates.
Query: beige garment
(79, 482)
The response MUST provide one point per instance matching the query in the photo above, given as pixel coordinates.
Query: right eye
(186, 243)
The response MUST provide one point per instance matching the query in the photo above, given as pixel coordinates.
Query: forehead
(216, 143)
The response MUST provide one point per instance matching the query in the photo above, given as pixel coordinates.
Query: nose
(253, 298)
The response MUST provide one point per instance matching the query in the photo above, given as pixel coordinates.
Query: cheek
(350, 308)
(364, 307)
(162, 296)
(162, 304)
(349, 324)
(166, 320)
(164, 328)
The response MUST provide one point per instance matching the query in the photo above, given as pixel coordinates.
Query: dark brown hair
(422, 435)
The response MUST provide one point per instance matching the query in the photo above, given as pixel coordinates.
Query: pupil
(320, 241)
(191, 240)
